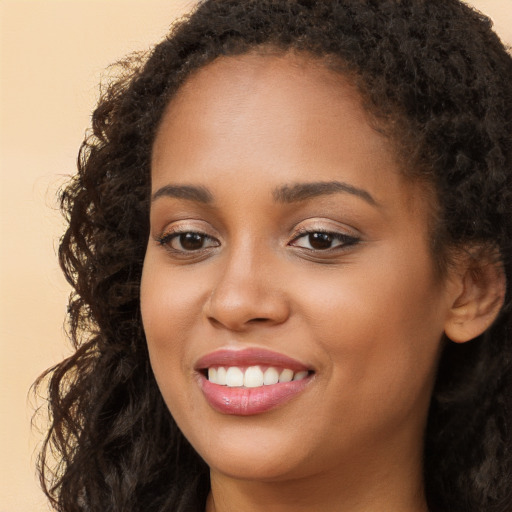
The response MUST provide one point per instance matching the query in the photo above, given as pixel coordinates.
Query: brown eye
(323, 241)
(320, 241)
(191, 241)
(188, 241)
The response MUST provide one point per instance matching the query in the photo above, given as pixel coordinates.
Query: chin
(253, 452)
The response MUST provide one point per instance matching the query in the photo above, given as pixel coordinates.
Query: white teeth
(271, 376)
(253, 377)
(286, 376)
(212, 375)
(234, 377)
(221, 376)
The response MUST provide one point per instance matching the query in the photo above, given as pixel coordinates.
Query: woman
(290, 241)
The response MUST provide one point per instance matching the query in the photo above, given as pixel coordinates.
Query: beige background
(53, 53)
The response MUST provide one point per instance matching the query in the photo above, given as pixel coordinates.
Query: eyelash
(344, 240)
(166, 239)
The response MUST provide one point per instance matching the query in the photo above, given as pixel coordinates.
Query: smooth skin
(244, 252)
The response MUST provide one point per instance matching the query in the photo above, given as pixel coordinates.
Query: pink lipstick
(250, 381)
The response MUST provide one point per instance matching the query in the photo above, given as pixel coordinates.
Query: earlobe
(481, 294)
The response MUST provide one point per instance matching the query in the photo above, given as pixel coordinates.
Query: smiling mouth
(251, 381)
(252, 376)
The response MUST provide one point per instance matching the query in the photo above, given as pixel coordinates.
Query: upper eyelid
(335, 234)
(319, 226)
(178, 232)
(304, 227)
(188, 226)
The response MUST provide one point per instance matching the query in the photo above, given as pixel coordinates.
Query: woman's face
(285, 244)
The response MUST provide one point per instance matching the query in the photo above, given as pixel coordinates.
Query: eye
(188, 241)
(323, 240)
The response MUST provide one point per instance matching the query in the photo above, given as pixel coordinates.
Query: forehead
(264, 67)
(282, 117)
(230, 83)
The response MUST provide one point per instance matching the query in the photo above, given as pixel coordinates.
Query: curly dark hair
(439, 83)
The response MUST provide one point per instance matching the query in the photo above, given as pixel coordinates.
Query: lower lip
(250, 401)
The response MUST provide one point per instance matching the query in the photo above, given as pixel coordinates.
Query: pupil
(320, 240)
(191, 241)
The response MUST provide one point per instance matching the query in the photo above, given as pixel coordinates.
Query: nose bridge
(247, 290)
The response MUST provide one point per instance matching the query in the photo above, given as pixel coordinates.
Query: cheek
(170, 301)
(380, 323)
(166, 307)
(382, 302)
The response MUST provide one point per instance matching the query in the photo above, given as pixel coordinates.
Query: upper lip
(249, 357)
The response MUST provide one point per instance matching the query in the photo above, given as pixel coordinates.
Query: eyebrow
(190, 192)
(295, 192)
(303, 191)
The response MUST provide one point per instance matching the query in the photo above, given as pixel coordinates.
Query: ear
(479, 298)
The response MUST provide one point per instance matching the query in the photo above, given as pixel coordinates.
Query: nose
(247, 293)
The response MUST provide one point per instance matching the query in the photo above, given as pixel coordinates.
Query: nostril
(258, 320)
